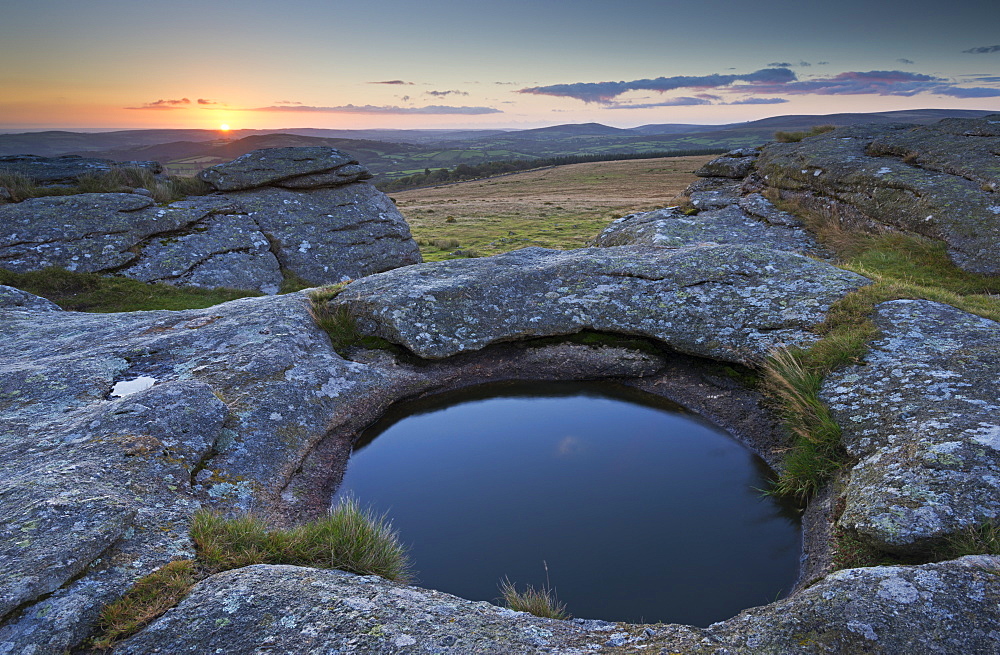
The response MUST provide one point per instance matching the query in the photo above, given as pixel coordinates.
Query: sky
(133, 64)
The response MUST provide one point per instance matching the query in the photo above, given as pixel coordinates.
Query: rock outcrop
(11, 298)
(733, 303)
(941, 181)
(291, 168)
(735, 164)
(756, 223)
(324, 226)
(922, 416)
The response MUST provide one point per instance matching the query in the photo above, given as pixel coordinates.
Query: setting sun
(224, 127)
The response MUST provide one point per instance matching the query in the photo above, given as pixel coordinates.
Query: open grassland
(561, 207)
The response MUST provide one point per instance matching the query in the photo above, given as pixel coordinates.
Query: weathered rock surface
(11, 298)
(326, 227)
(922, 414)
(89, 232)
(104, 486)
(939, 180)
(67, 169)
(729, 225)
(223, 250)
(883, 610)
(330, 235)
(296, 168)
(946, 607)
(757, 205)
(735, 164)
(714, 193)
(293, 609)
(731, 303)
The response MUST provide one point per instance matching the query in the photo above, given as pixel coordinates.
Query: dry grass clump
(148, 598)
(348, 538)
(540, 602)
(120, 179)
(982, 540)
(794, 137)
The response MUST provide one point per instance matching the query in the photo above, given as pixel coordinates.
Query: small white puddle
(125, 387)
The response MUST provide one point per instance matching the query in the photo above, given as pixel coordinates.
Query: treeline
(492, 168)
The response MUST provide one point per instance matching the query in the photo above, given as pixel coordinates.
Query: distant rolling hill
(392, 153)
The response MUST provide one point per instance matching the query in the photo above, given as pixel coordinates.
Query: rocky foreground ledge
(251, 408)
(250, 400)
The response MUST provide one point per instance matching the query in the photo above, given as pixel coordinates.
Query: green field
(560, 207)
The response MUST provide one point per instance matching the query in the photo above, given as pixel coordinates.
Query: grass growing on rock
(91, 292)
(981, 540)
(339, 323)
(901, 266)
(540, 602)
(149, 597)
(795, 137)
(120, 179)
(348, 538)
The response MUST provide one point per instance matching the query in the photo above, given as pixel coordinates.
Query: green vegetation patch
(901, 267)
(91, 292)
(120, 179)
(349, 538)
(148, 598)
(465, 171)
(339, 323)
(794, 137)
(563, 207)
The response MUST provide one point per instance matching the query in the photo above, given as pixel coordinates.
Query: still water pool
(641, 512)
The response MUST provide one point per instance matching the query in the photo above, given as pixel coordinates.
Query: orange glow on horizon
(224, 127)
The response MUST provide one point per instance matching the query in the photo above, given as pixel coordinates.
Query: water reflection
(642, 512)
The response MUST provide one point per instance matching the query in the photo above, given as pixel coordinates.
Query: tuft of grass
(540, 602)
(148, 598)
(90, 292)
(900, 266)
(348, 538)
(816, 453)
(445, 244)
(20, 186)
(982, 540)
(795, 137)
(339, 323)
(291, 282)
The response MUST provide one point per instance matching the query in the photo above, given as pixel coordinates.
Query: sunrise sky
(504, 63)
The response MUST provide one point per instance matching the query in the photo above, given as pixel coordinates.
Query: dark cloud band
(774, 81)
(983, 50)
(607, 91)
